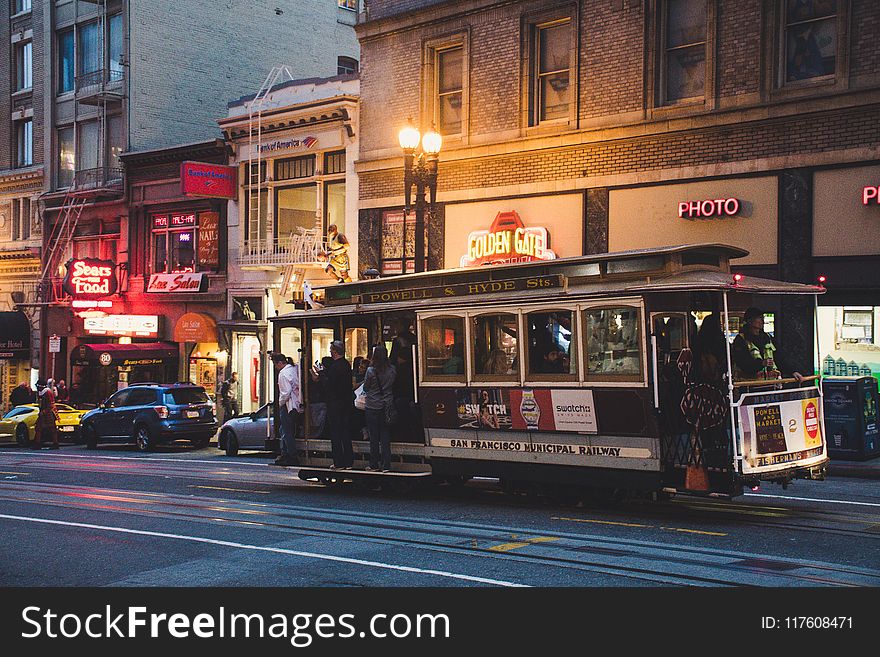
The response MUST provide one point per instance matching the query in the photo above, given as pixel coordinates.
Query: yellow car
(19, 423)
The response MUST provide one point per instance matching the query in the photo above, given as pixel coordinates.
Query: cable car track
(577, 552)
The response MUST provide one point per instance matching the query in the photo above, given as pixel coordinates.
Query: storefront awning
(126, 355)
(15, 336)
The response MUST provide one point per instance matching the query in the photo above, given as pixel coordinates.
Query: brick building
(142, 76)
(611, 123)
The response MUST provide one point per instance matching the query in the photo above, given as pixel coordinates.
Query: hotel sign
(177, 283)
(133, 326)
(507, 240)
(90, 278)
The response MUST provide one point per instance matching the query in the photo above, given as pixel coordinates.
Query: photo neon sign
(709, 209)
(507, 240)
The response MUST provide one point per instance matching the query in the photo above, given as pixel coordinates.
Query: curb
(854, 470)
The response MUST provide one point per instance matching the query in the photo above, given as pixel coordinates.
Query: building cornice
(373, 29)
(204, 149)
(21, 179)
(300, 115)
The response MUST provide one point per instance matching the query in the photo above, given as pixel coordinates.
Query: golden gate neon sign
(507, 240)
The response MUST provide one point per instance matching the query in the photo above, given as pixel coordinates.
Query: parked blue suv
(150, 414)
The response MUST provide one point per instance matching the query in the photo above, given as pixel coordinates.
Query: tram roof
(605, 282)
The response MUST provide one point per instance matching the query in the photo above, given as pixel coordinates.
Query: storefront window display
(175, 238)
(848, 340)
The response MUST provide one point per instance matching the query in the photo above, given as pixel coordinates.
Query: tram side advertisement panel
(777, 432)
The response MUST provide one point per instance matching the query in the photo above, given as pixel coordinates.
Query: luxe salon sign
(709, 209)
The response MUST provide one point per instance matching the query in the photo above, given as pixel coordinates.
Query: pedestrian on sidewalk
(47, 420)
(229, 396)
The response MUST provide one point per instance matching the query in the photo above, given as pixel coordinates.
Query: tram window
(551, 346)
(443, 346)
(613, 343)
(495, 347)
(671, 332)
(356, 343)
(321, 339)
(291, 342)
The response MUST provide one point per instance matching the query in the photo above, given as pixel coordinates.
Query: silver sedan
(250, 431)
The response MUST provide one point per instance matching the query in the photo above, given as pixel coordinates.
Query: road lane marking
(601, 522)
(263, 548)
(236, 490)
(23, 474)
(810, 499)
(507, 547)
(693, 531)
(146, 459)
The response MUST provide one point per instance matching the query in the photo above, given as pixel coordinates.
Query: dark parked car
(152, 414)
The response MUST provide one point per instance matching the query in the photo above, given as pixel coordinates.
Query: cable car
(577, 373)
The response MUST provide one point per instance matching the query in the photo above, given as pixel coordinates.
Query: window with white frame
(683, 50)
(551, 71)
(351, 5)
(24, 143)
(809, 40)
(24, 52)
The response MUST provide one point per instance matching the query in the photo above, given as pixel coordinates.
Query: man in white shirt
(290, 406)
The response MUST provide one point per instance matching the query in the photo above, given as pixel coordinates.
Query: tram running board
(307, 473)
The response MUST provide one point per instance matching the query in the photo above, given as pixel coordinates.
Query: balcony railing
(100, 85)
(302, 247)
(109, 178)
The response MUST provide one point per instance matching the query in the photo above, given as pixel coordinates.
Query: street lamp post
(420, 171)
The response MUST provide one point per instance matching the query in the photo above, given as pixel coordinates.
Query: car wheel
(22, 435)
(231, 443)
(89, 437)
(142, 438)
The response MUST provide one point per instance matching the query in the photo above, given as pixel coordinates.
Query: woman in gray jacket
(378, 384)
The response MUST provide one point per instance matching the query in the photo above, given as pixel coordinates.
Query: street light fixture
(420, 170)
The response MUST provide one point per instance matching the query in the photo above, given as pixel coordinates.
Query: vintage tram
(577, 373)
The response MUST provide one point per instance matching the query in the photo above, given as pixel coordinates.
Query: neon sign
(712, 208)
(89, 278)
(178, 220)
(507, 240)
(869, 194)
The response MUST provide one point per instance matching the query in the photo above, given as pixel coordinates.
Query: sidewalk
(869, 469)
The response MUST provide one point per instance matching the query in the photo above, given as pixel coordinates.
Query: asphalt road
(185, 517)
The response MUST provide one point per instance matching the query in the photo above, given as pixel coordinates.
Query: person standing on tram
(340, 406)
(378, 386)
(753, 352)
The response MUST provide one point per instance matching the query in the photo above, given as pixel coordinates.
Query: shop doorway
(248, 367)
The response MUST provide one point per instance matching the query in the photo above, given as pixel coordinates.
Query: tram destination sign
(463, 289)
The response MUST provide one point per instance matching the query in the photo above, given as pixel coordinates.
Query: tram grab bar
(767, 382)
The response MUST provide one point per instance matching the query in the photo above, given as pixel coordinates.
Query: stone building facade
(597, 119)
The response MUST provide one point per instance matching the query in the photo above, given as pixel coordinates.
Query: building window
(114, 48)
(87, 146)
(334, 162)
(449, 90)
(255, 226)
(89, 48)
(100, 247)
(115, 140)
(21, 218)
(551, 71)
(295, 208)
(351, 5)
(24, 143)
(346, 65)
(174, 242)
(810, 39)
(334, 204)
(20, 6)
(66, 62)
(24, 66)
(66, 157)
(683, 52)
(295, 167)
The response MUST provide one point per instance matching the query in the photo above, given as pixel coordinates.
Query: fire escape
(294, 253)
(97, 175)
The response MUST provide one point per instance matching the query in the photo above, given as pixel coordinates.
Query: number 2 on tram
(578, 372)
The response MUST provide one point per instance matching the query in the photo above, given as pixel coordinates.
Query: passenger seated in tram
(552, 362)
(753, 352)
(497, 363)
(454, 363)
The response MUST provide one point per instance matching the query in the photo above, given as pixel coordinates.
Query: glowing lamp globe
(409, 138)
(432, 142)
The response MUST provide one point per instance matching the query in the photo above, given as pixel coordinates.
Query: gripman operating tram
(608, 372)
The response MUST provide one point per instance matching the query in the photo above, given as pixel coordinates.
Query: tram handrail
(765, 382)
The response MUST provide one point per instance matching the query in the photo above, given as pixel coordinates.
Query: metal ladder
(255, 160)
(59, 239)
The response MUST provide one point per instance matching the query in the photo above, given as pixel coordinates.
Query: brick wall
(378, 9)
(189, 59)
(738, 47)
